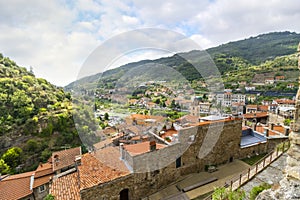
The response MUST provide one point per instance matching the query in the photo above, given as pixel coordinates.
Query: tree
(106, 116)
(12, 156)
(287, 122)
(32, 145)
(4, 168)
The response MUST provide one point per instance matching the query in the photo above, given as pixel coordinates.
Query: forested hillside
(233, 56)
(35, 118)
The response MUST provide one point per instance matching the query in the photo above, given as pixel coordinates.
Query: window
(42, 188)
(178, 162)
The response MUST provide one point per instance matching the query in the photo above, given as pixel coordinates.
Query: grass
(254, 159)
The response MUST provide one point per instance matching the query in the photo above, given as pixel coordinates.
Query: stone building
(138, 170)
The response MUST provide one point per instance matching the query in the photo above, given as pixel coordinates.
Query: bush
(227, 194)
(258, 189)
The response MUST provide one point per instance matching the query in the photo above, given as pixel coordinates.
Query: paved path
(223, 173)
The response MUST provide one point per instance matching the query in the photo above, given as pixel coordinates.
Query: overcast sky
(55, 37)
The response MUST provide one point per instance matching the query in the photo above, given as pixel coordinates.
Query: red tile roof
(15, 186)
(255, 115)
(65, 158)
(169, 132)
(43, 169)
(285, 101)
(93, 172)
(66, 187)
(140, 148)
(42, 180)
(110, 156)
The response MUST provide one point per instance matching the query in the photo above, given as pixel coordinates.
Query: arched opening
(124, 194)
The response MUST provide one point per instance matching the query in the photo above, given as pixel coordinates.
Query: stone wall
(213, 144)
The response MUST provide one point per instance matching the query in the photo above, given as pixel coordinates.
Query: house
(290, 85)
(35, 185)
(135, 171)
(226, 99)
(269, 81)
(64, 160)
(261, 117)
(279, 78)
(249, 88)
(237, 108)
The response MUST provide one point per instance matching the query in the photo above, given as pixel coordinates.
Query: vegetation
(49, 197)
(258, 189)
(227, 194)
(270, 54)
(36, 118)
(254, 159)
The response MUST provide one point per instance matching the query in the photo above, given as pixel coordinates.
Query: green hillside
(36, 116)
(228, 57)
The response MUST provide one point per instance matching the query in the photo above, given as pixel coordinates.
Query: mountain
(227, 57)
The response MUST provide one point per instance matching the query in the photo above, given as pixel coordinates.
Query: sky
(56, 37)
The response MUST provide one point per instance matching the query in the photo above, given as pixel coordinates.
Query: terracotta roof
(66, 187)
(102, 144)
(280, 129)
(110, 156)
(93, 172)
(255, 115)
(169, 132)
(263, 108)
(143, 117)
(251, 106)
(41, 180)
(188, 118)
(43, 169)
(65, 158)
(285, 101)
(215, 121)
(140, 148)
(15, 186)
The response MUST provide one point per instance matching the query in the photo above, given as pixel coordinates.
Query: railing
(248, 174)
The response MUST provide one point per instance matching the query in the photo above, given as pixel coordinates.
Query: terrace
(250, 138)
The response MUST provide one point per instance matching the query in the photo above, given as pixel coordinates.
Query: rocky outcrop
(290, 186)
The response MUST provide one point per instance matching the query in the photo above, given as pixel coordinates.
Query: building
(226, 99)
(35, 185)
(136, 171)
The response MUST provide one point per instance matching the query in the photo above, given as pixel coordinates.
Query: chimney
(254, 126)
(122, 150)
(286, 131)
(267, 132)
(272, 126)
(152, 145)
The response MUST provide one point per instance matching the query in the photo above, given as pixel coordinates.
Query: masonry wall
(213, 144)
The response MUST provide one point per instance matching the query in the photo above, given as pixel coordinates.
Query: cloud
(55, 38)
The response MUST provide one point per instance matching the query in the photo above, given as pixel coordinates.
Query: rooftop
(140, 148)
(250, 137)
(93, 172)
(110, 156)
(15, 186)
(64, 158)
(255, 115)
(66, 187)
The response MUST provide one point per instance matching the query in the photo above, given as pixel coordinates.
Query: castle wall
(217, 143)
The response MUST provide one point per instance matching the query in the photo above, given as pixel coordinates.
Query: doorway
(124, 194)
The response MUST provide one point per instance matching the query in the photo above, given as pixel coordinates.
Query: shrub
(258, 189)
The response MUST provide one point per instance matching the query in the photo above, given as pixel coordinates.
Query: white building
(226, 99)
